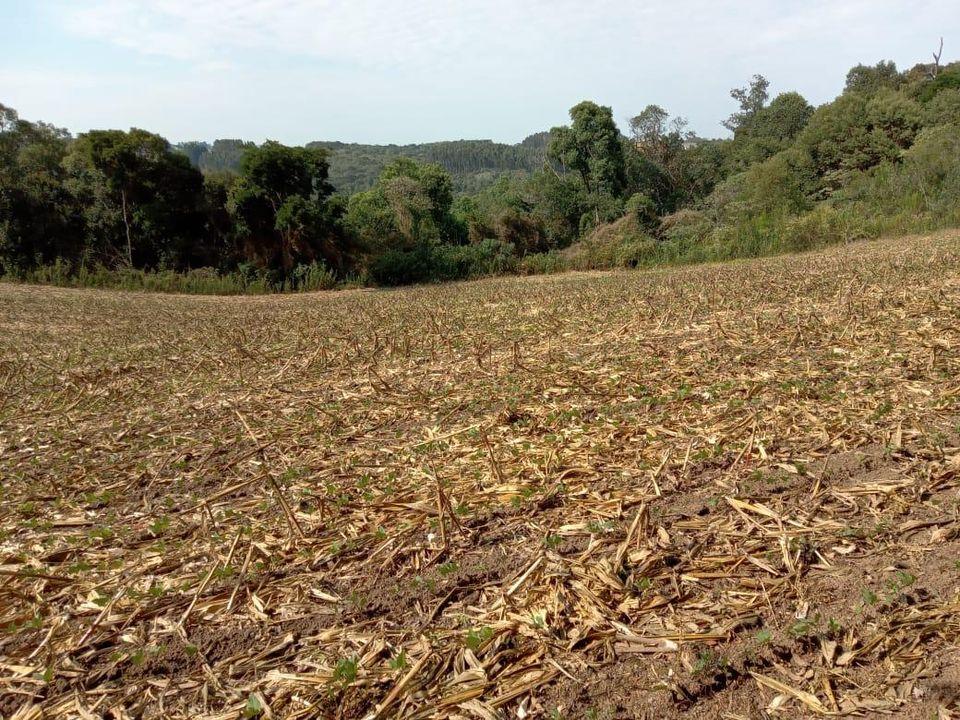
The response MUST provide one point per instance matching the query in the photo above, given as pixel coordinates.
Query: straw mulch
(721, 492)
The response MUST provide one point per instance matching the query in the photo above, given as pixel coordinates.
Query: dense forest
(473, 164)
(109, 207)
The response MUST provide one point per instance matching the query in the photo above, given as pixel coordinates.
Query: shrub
(623, 243)
(643, 209)
(542, 264)
(685, 226)
(436, 262)
(944, 109)
(246, 280)
(315, 276)
(403, 267)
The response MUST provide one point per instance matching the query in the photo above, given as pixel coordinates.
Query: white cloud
(390, 34)
(445, 35)
(405, 70)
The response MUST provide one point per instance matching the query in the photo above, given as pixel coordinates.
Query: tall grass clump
(245, 280)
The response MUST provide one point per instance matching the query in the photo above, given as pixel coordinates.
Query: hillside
(472, 164)
(728, 491)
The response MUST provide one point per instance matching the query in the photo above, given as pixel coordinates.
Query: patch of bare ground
(727, 491)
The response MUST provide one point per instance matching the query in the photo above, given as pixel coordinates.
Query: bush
(685, 226)
(403, 267)
(315, 276)
(430, 262)
(636, 251)
(643, 209)
(822, 226)
(623, 243)
(542, 264)
(944, 109)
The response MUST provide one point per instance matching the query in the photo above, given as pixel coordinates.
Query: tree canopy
(128, 200)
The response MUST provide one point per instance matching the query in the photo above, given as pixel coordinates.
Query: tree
(751, 98)
(936, 61)
(219, 240)
(657, 137)
(194, 150)
(783, 119)
(9, 119)
(224, 156)
(703, 167)
(432, 180)
(591, 147)
(137, 180)
(38, 218)
(870, 79)
(944, 109)
(410, 205)
(655, 159)
(279, 204)
(649, 127)
(857, 132)
(556, 202)
(771, 129)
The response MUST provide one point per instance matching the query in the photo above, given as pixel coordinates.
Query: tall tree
(649, 127)
(591, 147)
(137, 180)
(751, 98)
(660, 143)
(279, 203)
(38, 220)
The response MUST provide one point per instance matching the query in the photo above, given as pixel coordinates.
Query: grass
(477, 497)
(202, 281)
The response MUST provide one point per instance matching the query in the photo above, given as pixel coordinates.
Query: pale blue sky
(418, 70)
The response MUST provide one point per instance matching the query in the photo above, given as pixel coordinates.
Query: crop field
(728, 491)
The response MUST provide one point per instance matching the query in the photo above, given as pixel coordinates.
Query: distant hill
(472, 164)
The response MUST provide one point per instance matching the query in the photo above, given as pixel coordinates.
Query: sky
(402, 71)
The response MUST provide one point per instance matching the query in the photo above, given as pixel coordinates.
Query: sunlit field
(706, 492)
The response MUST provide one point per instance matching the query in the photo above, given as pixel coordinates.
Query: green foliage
(345, 671)
(946, 79)
(943, 109)
(643, 209)
(473, 164)
(751, 99)
(435, 262)
(280, 209)
(222, 156)
(856, 133)
(125, 209)
(590, 146)
(776, 185)
(476, 638)
(253, 707)
(399, 661)
(245, 280)
(409, 206)
(869, 80)
(769, 130)
(140, 200)
(38, 215)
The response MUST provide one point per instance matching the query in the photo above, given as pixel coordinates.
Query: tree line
(354, 167)
(881, 156)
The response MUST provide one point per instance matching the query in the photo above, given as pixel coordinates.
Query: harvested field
(713, 492)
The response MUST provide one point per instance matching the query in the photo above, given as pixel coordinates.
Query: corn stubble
(734, 489)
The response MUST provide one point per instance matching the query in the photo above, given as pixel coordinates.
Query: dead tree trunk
(936, 61)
